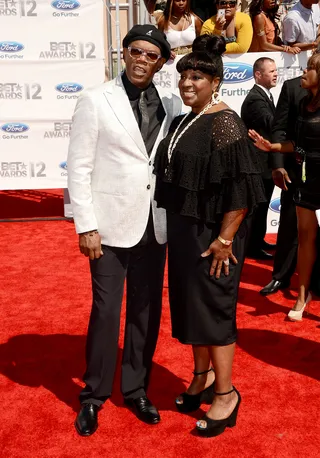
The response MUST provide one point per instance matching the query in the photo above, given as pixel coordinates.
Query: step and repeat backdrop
(50, 51)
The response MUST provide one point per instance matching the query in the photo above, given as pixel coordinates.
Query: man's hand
(281, 178)
(90, 244)
(221, 255)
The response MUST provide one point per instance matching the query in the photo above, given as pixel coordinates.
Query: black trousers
(143, 268)
(285, 259)
(259, 220)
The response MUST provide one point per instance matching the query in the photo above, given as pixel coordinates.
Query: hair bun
(210, 44)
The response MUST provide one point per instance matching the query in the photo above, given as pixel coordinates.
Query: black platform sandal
(216, 427)
(192, 402)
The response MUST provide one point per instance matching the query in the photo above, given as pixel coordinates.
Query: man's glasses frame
(150, 56)
(224, 3)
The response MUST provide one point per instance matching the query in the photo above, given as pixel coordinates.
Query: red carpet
(45, 297)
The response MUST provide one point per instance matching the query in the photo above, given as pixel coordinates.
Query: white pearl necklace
(173, 142)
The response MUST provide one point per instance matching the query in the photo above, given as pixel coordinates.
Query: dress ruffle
(214, 169)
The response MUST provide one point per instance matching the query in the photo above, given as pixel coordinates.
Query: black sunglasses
(231, 3)
(151, 56)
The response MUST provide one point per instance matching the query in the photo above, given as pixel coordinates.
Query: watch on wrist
(224, 241)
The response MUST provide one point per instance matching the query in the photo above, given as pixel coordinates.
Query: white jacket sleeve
(81, 161)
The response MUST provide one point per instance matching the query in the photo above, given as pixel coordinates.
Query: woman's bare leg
(201, 364)
(222, 359)
(307, 251)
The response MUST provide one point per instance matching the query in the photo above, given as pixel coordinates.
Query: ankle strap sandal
(203, 372)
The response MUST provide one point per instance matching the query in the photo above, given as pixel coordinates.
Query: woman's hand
(291, 49)
(220, 22)
(221, 255)
(259, 141)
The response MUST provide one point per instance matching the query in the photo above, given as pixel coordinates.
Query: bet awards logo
(19, 8)
(65, 8)
(162, 79)
(61, 129)
(69, 50)
(19, 169)
(11, 50)
(17, 91)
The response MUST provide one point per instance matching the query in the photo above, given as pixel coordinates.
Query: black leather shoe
(87, 419)
(260, 254)
(273, 287)
(268, 246)
(144, 410)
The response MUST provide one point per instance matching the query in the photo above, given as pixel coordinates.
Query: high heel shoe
(296, 315)
(192, 402)
(216, 427)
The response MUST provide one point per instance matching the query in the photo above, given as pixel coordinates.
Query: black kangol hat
(151, 34)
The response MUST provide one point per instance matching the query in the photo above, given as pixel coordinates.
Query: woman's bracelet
(230, 39)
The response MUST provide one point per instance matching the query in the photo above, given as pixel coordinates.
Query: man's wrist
(94, 231)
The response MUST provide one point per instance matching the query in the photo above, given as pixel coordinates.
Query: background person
(266, 31)
(234, 26)
(208, 179)
(179, 24)
(284, 171)
(257, 112)
(300, 27)
(116, 129)
(307, 196)
(204, 9)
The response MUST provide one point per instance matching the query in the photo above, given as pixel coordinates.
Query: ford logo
(65, 5)
(237, 72)
(63, 165)
(275, 205)
(14, 127)
(69, 87)
(10, 46)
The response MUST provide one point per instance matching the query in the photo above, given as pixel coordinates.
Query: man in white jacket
(117, 127)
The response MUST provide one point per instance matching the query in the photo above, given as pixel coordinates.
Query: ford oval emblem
(11, 46)
(69, 87)
(237, 72)
(63, 165)
(65, 5)
(275, 205)
(14, 127)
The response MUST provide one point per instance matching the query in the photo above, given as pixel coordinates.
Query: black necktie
(271, 98)
(144, 125)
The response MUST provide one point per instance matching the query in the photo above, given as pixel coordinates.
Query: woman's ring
(226, 262)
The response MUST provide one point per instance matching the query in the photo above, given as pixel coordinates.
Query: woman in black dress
(208, 180)
(307, 196)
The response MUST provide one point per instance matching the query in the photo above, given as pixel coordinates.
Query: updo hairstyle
(205, 56)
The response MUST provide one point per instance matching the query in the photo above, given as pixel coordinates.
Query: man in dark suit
(257, 112)
(283, 174)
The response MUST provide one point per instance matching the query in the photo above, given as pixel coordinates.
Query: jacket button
(149, 162)
(148, 187)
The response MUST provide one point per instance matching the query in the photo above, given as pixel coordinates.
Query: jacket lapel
(167, 103)
(262, 92)
(118, 100)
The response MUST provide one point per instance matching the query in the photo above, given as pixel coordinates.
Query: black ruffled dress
(213, 170)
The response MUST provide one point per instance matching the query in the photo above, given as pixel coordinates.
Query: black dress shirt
(155, 109)
(156, 116)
